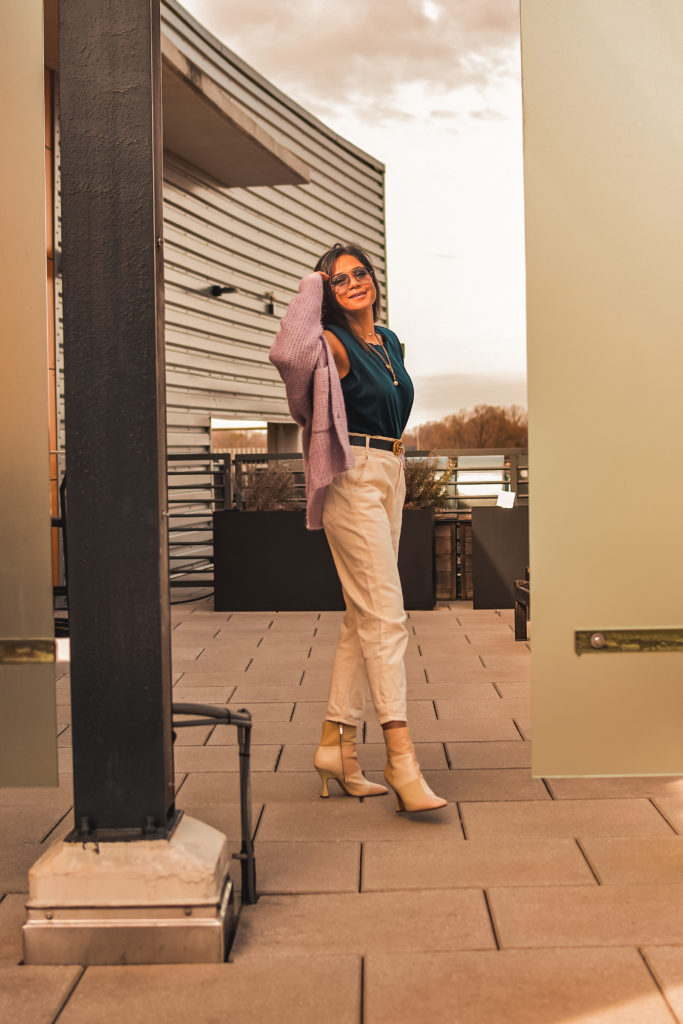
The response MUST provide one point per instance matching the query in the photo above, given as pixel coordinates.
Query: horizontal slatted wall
(259, 240)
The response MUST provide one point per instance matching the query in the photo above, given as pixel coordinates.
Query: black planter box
(269, 561)
(500, 554)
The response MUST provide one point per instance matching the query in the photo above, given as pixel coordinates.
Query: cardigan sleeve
(298, 347)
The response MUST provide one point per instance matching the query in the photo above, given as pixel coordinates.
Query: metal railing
(477, 476)
(200, 484)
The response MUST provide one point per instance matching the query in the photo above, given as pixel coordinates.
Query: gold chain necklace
(386, 360)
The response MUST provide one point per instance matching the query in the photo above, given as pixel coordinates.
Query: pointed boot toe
(404, 776)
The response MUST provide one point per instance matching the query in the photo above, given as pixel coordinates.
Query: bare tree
(485, 426)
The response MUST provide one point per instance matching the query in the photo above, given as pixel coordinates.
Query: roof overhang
(205, 127)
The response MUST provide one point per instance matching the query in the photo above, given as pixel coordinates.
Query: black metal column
(110, 104)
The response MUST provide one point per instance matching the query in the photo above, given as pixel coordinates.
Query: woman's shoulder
(339, 350)
(338, 336)
(336, 330)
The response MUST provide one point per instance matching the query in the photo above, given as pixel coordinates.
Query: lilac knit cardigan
(305, 363)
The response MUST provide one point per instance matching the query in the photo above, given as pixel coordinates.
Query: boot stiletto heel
(324, 776)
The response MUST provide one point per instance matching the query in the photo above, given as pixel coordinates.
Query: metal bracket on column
(628, 641)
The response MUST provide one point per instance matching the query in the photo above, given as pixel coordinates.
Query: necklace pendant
(395, 383)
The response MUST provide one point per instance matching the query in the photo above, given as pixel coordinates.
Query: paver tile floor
(525, 901)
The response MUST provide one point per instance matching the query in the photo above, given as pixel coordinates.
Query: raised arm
(297, 346)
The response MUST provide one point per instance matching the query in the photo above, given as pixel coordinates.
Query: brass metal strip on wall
(627, 641)
(27, 652)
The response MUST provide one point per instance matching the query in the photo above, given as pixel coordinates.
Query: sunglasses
(340, 282)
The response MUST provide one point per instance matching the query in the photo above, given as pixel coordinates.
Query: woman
(348, 388)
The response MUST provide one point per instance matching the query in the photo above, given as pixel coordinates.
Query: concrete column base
(140, 902)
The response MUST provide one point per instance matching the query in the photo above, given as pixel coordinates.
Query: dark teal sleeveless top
(373, 404)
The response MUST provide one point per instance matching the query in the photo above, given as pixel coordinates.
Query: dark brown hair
(332, 313)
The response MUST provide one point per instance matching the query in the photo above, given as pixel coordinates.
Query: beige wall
(27, 691)
(603, 110)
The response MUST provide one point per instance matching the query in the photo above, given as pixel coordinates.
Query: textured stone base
(142, 902)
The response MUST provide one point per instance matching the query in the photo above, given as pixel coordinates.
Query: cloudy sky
(431, 88)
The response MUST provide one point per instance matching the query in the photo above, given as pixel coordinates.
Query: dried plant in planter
(425, 486)
(271, 489)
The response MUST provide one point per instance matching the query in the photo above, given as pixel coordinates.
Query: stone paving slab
(230, 669)
(227, 680)
(268, 722)
(35, 995)
(266, 787)
(614, 788)
(64, 737)
(193, 736)
(500, 641)
(27, 824)
(223, 814)
(481, 690)
(308, 867)
(608, 915)
(344, 817)
(268, 674)
(514, 690)
(293, 640)
(672, 807)
(524, 726)
(458, 708)
(365, 922)
(636, 861)
(63, 717)
(182, 654)
(477, 863)
(462, 666)
(472, 784)
(12, 916)
(496, 754)
(49, 798)
(271, 990)
(666, 963)
(254, 693)
(202, 694)
(481, 727)
(63, 694)
(269, 733)
(561, 818)
(223, 758)
(610, 986)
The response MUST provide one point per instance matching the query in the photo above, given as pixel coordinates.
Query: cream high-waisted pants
(362, 520)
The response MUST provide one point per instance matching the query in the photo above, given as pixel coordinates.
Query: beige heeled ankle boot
(336, 758)
(403, 774)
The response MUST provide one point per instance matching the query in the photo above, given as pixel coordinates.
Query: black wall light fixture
(270, 303)
(222, 289)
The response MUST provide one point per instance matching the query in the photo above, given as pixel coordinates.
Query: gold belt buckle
(398, 448)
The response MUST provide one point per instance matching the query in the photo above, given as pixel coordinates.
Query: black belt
(362, 440)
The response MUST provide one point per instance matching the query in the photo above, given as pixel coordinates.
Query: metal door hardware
(27, 652)
(624, 641)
